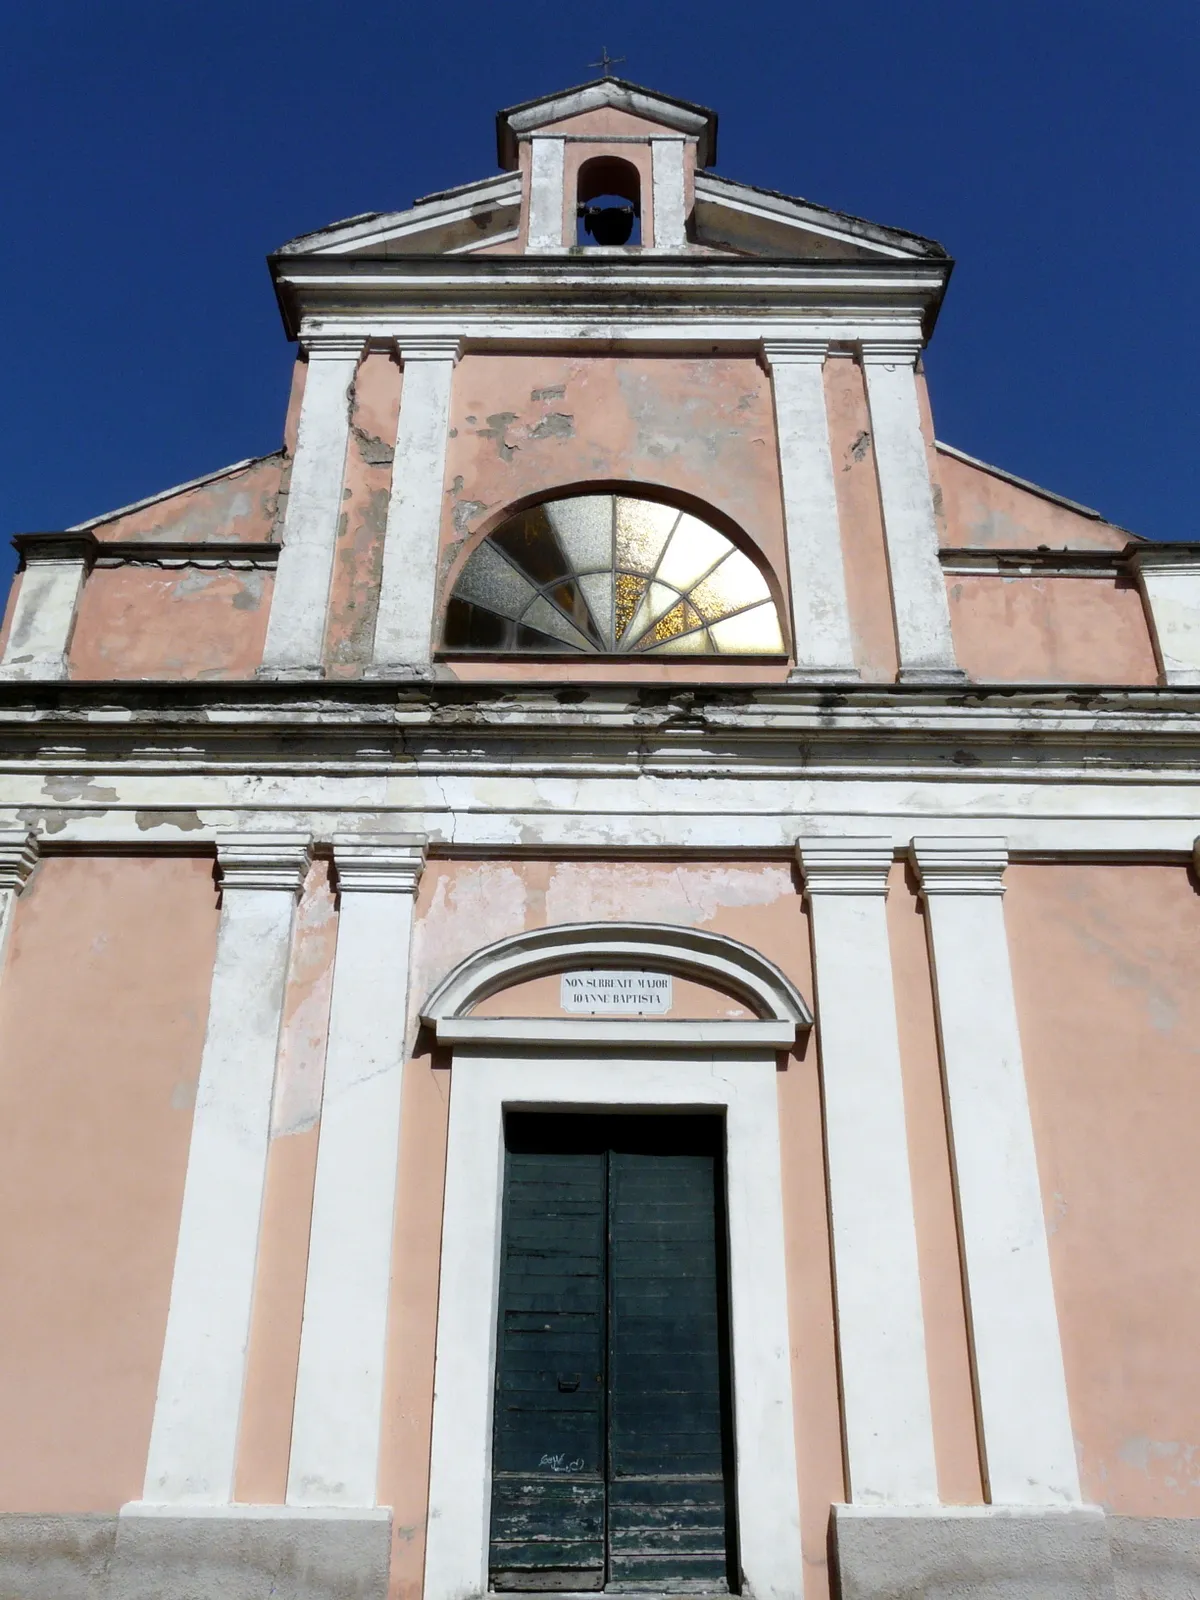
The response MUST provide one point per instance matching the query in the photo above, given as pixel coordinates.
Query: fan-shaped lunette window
(603, 574)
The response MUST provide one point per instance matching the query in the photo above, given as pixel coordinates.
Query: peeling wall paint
(184, 622)
(529, 425)
(358, 557)
(864, 552)
(238, 506)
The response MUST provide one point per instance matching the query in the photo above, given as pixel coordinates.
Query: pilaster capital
(333, 346)
(890, 352)
(431, 347)
(844, 866)
(794, 352)
(264, 860)
(1181, 560)
(18, 857)
(37, 549)
(959, 866)
(378, 863)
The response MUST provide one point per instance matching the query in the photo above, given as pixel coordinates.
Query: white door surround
(569, 1064)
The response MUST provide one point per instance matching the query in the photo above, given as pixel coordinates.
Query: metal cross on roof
(605, 60)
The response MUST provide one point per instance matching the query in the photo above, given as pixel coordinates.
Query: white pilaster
(54, 569)
(296, 629)
(1028, 1448)
(339, 1388)
(919, 602)
(18, 857)
(667, 181)
(881, 1329)
(408, 589)
(193, 1441)
(822, 643)
(1170, 584)
(546, 203)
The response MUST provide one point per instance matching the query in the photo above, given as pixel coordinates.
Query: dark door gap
(613, 1442)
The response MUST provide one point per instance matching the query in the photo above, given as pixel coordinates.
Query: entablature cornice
(377, 297)
(781, 731)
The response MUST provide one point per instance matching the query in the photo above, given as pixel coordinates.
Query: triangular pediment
(744, 220)
(471, 217)
(607, 94)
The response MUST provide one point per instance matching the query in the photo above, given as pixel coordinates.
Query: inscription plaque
(617, 990)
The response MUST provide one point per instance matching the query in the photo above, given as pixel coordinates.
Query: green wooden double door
(612, 1455)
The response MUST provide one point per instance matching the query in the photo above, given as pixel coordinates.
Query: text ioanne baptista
(613, 990)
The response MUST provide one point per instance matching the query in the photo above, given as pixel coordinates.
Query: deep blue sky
(156, 152)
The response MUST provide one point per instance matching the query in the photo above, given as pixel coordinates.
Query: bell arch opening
(609, 202)
(610, 574)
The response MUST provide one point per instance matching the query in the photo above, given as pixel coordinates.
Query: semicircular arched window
(605, 574)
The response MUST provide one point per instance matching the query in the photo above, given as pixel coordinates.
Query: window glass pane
(598, 590)
(607, 574)
(656, 602)
(753, 632)
(489, 580)
(686, 644)
(471, 627)
(543, 616)
(584, 527)
(531, 543)
(737, 582)
(693, 549)
(629, 592)
(642, 530)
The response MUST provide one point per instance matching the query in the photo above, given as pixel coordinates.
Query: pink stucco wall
(1050, 629)
(982, 509)
(95, 1118)
(171, 622)
(1106, 961)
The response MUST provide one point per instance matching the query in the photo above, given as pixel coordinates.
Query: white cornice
(643, 1034)
(567, 301)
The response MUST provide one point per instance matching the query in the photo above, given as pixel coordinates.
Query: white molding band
(1170, 585)
(1027, 1445)
(296, 628)
(572, 1033)
(484, 1085)
(18, 857)
(919, 602)
(821, 639)
(881, 1329)
(546, 203)
(193, 1440)
(669, 218)
(408, 588)
(711, 958)
(338, 1411)
(54, 571)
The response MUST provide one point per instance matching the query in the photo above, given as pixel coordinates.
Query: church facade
(600, 955)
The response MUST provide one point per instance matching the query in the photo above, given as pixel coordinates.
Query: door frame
(733, 1073)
